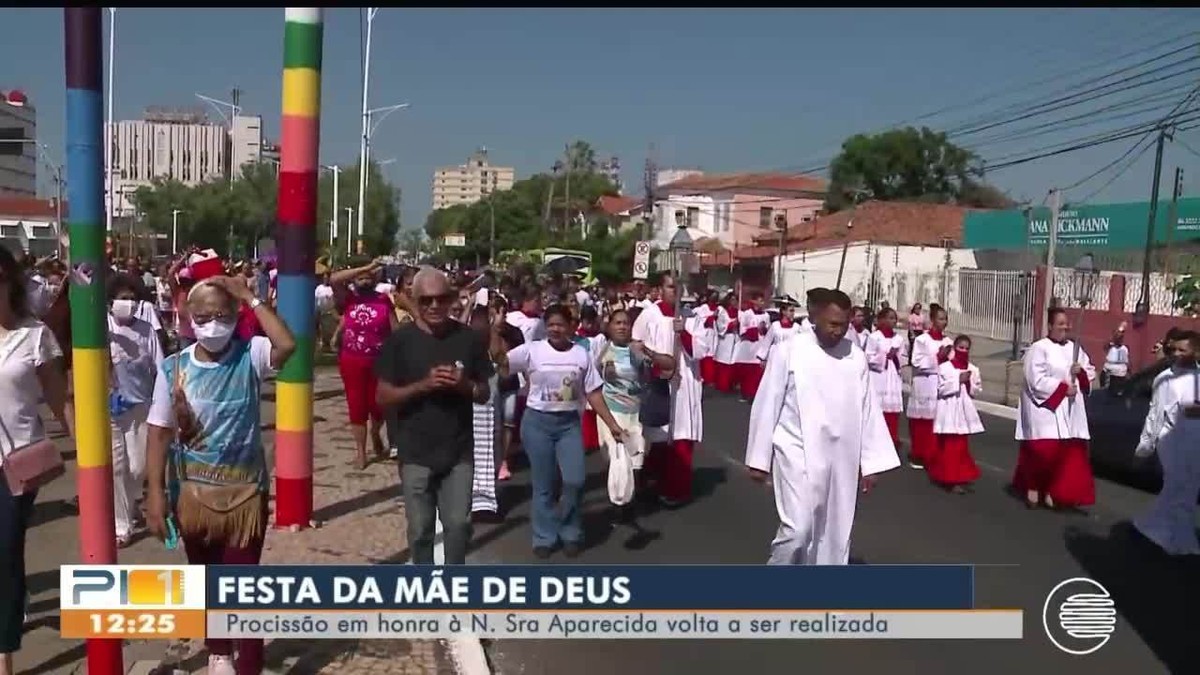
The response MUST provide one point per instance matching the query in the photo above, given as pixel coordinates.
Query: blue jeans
(554, 442)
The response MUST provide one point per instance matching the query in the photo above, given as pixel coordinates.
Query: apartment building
(182, 145)
(470, 182)
(18, 160)
(246, 142)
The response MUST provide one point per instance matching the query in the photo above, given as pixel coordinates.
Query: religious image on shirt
(358, 320)
(565, 392)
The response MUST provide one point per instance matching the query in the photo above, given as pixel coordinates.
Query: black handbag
(655, 409)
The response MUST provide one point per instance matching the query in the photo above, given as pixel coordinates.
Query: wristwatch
(255, 303)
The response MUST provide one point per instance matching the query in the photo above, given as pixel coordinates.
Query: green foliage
(231, 218)
(1187, 295)
(909, 164)
(537, 212)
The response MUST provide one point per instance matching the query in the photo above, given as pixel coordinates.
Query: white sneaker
(221, 665)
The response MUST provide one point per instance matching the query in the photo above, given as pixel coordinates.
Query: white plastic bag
(620, 476)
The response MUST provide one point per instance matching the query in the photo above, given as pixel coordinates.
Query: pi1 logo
(124, 586)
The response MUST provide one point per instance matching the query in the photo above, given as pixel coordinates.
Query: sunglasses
(430, 300)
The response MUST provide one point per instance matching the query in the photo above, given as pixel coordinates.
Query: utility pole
(110, 135)
(781, 222)
(1051, 244)
(648, 179)
(175, 230)
(567, 197)
(366, 123)
(1142, 311)
(1173, 222)
(492, 238)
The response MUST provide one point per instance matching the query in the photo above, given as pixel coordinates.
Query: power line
(1129, 165)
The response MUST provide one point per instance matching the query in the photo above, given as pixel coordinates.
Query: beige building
(246, 142)
(167, 144)
(18, 161)
(470, 182)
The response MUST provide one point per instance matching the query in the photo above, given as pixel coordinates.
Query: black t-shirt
(433, 430)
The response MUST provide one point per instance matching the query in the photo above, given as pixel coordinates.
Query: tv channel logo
(130, 586)
(1079, 616)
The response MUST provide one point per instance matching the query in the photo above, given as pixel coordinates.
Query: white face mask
(214, 336)
(122, 310)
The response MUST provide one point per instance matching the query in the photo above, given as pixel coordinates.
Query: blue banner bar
(626, 587)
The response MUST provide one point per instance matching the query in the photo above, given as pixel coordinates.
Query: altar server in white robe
(727, 340)
(706, 336)
(780, 330)
(1053, 466)
(930, 350)
(886, 350)
(1172, 430)
(753, 322)
(859, 334)
(817, 432)
(670, 448)
(959, 382)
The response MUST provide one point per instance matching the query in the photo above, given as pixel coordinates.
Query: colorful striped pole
(296, 242)
(82, 37)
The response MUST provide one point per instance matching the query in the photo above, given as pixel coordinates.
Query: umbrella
(564, 265)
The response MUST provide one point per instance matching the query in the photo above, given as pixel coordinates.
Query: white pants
(129, 465)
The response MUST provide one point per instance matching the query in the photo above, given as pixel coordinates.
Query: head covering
(205, 264)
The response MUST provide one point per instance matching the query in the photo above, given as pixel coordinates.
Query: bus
(542, 257)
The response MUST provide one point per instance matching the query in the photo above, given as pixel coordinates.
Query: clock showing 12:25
(146, 624)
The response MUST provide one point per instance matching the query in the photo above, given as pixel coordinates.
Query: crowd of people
(464, 379)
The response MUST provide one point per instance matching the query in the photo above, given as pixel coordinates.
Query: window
(693, 216)
(765, 216)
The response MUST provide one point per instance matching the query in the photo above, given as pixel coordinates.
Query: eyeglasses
(201, 319)
(430, 300)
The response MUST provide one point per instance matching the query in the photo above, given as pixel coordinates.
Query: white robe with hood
(816, 457)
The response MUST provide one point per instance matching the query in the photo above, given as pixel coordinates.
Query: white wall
(664, 215)
(906, 274)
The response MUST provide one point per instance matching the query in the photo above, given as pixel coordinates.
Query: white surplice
(922, 400)
(859, 337)
(1047, 365)
(776, 334)
(657, 332)
(889, 385)
(956, 412)
(816, 427)
(704, 341)
(747, 350)
(1171, 520)
(727, 338)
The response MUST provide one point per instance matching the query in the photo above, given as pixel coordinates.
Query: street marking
(465, 650)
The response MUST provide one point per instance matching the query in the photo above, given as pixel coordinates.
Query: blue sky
(721, 90)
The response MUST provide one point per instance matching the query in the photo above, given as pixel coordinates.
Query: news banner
(318, 602)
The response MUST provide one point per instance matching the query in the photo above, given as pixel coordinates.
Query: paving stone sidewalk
(362, 522)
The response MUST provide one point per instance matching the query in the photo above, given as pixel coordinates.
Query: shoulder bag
(29, 467)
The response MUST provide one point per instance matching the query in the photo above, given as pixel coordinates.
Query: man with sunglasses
(431, 371)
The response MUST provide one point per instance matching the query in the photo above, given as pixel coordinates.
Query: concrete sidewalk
(1002, 377)
(362, 521)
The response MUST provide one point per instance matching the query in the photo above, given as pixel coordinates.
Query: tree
(581, 157)
(233, 218)
(907, 164)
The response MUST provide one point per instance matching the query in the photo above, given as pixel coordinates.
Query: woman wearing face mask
(930, 350)
(206, 409)
(561, 376)
(367, 319)
(136, 357)
(952, 466)
(31, 368)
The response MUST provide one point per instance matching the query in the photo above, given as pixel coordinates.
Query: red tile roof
(769, 182)
(903, 223)
(615, 205)
(27, 207)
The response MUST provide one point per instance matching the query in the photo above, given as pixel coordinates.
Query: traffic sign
(642, 249)
(455, 240)
(641, 270)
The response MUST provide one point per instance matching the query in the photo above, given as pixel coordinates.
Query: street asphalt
(1020, 556)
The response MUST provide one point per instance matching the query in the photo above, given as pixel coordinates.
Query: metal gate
(994, 303)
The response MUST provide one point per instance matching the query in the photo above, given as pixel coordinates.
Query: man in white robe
(670, 447)
(1172, 430)
(819, 443)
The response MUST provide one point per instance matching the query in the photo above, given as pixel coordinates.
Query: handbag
(620, 476)
(655, 407)
(31, 466)
(235, 515)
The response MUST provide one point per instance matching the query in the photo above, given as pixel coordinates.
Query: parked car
(1116, 415)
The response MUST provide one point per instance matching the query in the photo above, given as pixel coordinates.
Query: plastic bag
(620, 476)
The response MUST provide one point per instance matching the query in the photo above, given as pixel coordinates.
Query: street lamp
(845, 249)
(370, 124)
(781, 224)
(175, 229)
(349, 239)
(333, 221)
(680, 246)
(1083, 284)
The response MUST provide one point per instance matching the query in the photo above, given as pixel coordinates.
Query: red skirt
(952, 464)
(725, 376)
(591, 433)
(893, 425)
(669, 465)
(708, 370)
(1059, 469)
(750, 375)
(923, 443)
